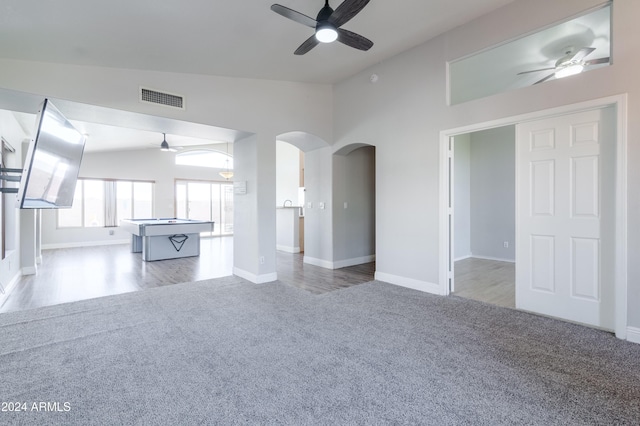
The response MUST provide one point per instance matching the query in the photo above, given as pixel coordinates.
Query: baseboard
(354, 261)
(633, 334)
(256, 279)
(408, 282)
(9, 288)
(317, 262)
(475, 256)
(29, 270)
(288, 249)
(463, 257)
(84, 244)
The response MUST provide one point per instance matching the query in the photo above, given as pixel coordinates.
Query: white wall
(264, 108)
(462, 197)
(403, 113)
(287, 173)
(493, 192)
(318, 223)
(11, 266)
(354, 225)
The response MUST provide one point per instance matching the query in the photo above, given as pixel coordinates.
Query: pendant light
(227, 174)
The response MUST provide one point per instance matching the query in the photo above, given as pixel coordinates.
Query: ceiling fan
(327, 25)
(164, 146)
(570, 64)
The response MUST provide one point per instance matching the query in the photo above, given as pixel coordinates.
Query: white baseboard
(475, 256)
(463, 257)
(256, 279)
(339, 263)
(84, 244)
(355, 261)
(633, 334)
(288, 249)
(318, 262)
(9, 288)
(409, 283)
(29, 270)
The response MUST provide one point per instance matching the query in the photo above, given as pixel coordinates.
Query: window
(100, 203)
(577, 45)
(205, 158)
(206, 200)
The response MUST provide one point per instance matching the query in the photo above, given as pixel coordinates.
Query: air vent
(161, 98)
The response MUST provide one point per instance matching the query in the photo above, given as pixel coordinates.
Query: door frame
(619, 102)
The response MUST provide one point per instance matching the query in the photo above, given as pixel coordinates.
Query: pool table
(167, 238)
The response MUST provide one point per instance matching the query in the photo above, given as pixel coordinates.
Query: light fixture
(164, 146)
(571, 69)
(227, 174)
(326, 33)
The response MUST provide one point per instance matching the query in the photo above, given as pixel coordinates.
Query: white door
(565, 224)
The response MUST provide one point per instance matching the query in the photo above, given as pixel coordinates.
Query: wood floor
(489, 281)
(71, 274)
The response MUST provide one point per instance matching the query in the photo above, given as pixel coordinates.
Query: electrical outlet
(345, 205)
(110, 231)
(262, 260)
(506, 244)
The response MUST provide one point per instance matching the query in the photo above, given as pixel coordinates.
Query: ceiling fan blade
(347, 10)
(307, 45)
(598, 61)
(580, 54)
(293, 15)
(545, 79)
(540, 69)
(354, 40)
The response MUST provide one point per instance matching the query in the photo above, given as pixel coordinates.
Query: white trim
(621, 255)
(499, 259)
(256, 279)
(620, 104)
(318, 262)
(408, 282)
(84, 244)
(288, 249)
(466, 256)
(29, 270)
(9, 288)
(633, 334)
(355, 261)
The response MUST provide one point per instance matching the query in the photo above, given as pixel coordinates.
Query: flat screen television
(53, 162)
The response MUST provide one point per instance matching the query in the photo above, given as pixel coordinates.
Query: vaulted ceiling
(213, 37)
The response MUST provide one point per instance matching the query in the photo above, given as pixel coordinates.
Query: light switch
(321, 206)
(345, 205)
(309, 205)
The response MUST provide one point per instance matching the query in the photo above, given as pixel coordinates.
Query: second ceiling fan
(327, 25)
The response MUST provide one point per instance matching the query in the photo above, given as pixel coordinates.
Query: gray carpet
(229, 352)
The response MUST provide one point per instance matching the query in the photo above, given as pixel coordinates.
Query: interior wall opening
(483, 182)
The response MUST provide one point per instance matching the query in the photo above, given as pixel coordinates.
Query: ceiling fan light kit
(571, 63)
(327, 25)
(569, 70)
(164, 146)
(326, 33)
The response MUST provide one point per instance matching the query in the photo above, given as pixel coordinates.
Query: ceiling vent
(161, 98)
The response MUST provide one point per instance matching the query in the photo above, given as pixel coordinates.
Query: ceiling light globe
(569, 70)
(326, 34)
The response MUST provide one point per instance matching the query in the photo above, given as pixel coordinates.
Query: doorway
(614, 225)
(484, 219)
